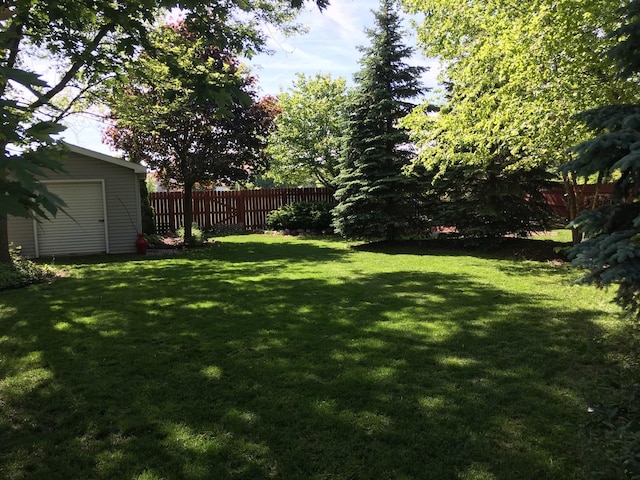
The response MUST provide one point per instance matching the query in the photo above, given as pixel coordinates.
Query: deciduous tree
(308, 139)
(518, 72)
(189, 110)
(611, 251)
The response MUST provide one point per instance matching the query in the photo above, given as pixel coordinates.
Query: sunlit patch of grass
(276, 357)
(563, 235)
(212, 372)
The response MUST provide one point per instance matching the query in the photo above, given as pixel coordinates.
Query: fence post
(242, 207)
(172, 212)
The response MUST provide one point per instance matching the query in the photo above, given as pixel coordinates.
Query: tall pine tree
(374, 195)
(611, 251)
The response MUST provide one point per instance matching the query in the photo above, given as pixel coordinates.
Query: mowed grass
(270, 357)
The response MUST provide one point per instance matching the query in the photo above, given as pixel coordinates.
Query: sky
(330, 46)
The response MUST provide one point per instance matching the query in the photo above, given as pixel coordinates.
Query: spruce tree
(375, 197)
(611, 250)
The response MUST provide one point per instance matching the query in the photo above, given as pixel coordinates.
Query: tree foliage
(611, 251)
(87, 42)
(374, 195)
(189, 110)
(308, 139)
(517, 73)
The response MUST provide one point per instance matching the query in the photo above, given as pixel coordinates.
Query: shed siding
(122, 202)
(21, 234)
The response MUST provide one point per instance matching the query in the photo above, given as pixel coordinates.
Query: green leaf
(43, 131)
(23, 77)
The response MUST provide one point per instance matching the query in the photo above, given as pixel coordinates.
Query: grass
(559, 235)
(273, 357)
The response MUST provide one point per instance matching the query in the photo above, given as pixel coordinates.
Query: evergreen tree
(374, 195)
(611, 251)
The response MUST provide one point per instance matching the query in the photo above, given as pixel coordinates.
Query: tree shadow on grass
(502, 248)
(292, 250)
(202, 375)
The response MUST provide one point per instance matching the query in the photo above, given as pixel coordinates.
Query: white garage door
(82, 229)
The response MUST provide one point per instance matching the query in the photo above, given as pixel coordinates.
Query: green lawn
(559, 235)
(271, 357)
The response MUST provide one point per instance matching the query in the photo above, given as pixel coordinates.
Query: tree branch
(74, 69)
(65, 111)
(13, 46)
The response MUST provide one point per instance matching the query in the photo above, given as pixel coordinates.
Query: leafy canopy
(611, 251)
(308, 139)
(189, 111)
(516, 74)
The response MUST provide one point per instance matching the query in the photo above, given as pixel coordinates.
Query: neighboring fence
(587, 196)
(248, 209)
(239, 208)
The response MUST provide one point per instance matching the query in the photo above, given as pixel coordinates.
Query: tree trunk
(188, 213)
(594, 202)
(147, 212)
(5, 256)
(572, 205)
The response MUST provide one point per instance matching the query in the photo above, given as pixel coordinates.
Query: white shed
(102, 213)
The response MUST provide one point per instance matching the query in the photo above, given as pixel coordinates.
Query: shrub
(301, 216)
(154, 240)
(22, 272)
(197, 235)
(488, 202)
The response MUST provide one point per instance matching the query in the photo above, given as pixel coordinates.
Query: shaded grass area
(272, 357)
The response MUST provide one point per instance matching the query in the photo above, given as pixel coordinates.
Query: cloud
(330, 46)
(347, 20)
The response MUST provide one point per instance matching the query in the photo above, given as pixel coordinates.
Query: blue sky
(329, 47)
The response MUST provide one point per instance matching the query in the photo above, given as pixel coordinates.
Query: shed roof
(137, 168)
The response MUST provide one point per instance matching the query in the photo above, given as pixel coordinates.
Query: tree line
(532, 93)
(536, 92)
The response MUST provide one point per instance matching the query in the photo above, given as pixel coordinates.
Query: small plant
(197, 235)
(22, 272)
(301, 216)
(154, 240)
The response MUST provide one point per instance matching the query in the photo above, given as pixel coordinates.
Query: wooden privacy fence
(248, 209)
(587, 197)
(242, 208)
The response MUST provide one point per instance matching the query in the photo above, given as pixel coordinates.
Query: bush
(22, 272)
(154, 240)
(301, 216)
(197, 235)
(488, 202)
